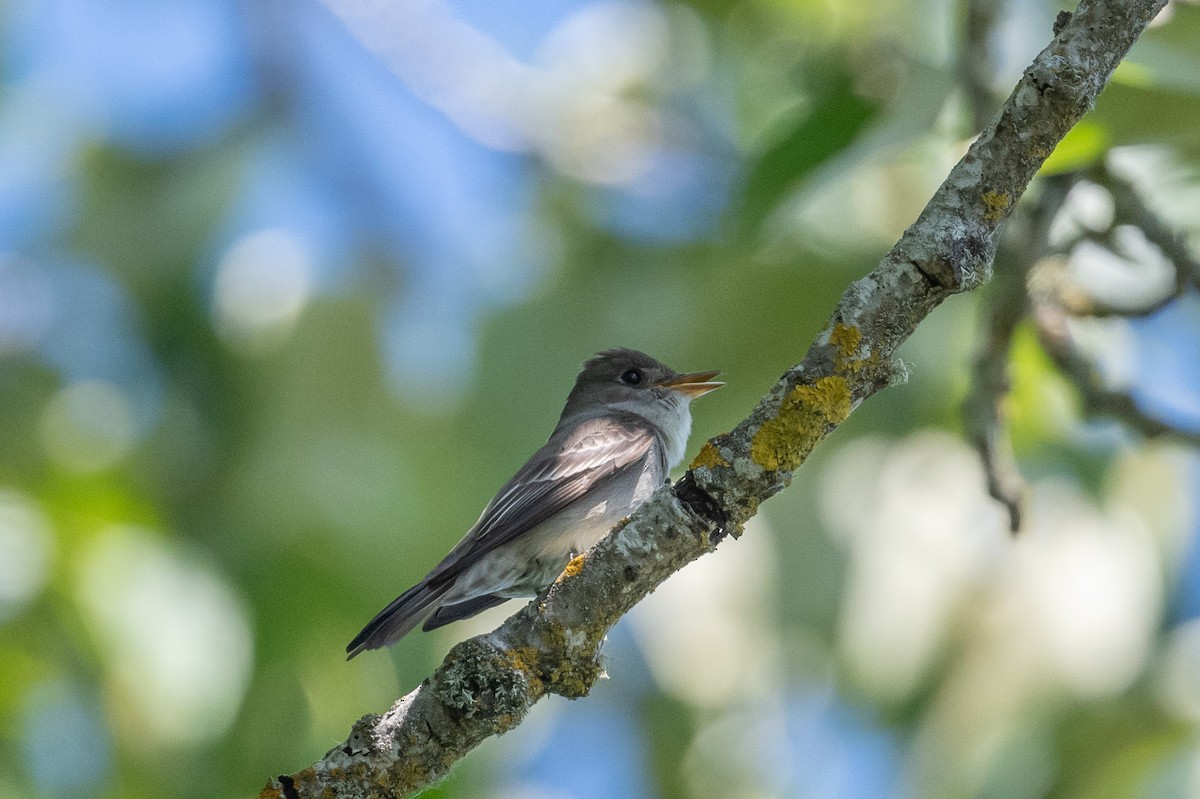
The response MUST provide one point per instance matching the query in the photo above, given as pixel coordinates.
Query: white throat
(672, 417)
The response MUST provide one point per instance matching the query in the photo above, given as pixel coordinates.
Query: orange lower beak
(695, 384)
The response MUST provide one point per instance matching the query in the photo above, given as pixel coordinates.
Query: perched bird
(625, 425)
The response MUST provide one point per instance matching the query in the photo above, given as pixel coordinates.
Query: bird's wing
(557, 475)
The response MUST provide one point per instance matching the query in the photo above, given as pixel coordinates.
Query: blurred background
(288, 289)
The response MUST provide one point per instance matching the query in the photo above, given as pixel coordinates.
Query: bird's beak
(694, 385)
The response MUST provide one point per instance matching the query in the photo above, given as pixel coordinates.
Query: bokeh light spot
(26, 547)
(714, 611)
(264, 280)
(88, 426)
(175, 639)
(1177, 676)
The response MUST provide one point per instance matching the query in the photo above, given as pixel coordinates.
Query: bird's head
(633, 382)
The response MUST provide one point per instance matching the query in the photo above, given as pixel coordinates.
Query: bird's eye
(632, 377)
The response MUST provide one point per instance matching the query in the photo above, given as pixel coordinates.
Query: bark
(487, 684)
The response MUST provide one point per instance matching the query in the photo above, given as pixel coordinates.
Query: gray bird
(625, 425)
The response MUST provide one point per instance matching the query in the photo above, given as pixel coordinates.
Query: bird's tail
(461, 610)
(399, 617)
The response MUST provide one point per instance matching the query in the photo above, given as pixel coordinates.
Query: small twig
(1051, 321)
(976, 61)
(1055, 301)
(1023, 244)
(982, 408)
(1078, 303)
(1129, 207)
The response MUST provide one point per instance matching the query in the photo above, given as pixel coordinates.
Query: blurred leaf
(1149, 115)
(1083, 146)
(127, 204)
(836, 116)
(1163, 66)
(1043, 411)
(1041, 404)
(1166, 56)
(668, 723)
(1115, 750)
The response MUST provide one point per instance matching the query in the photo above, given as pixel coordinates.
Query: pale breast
(533, 560)
(581, 525)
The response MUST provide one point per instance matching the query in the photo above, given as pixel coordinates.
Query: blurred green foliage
(287, 494)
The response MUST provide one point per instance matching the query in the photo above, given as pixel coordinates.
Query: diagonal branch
(487, 684)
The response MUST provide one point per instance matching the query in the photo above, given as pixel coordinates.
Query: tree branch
(487, 684)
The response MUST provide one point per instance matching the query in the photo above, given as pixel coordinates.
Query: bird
(625, 425)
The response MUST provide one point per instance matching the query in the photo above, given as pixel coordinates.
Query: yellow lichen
(846, 338)
(520, 658)
(574, 567)
(995, 205)
(524, 659)
(708, 456)
(560, 672)
(783, 443)
(412, 775)
(847, 341)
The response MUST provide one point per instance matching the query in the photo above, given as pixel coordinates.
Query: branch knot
(478, 677)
